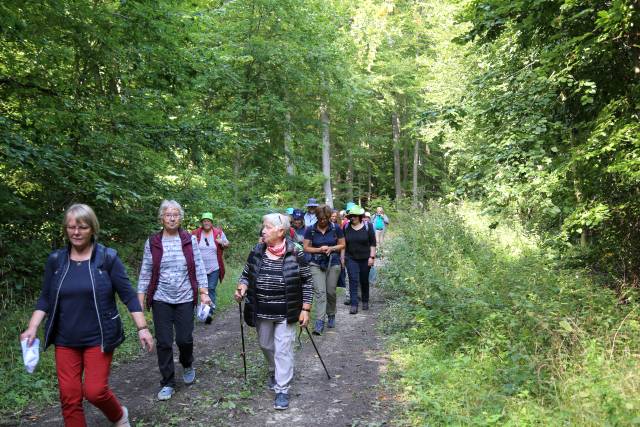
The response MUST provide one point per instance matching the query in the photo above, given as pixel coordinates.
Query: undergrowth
(489, 329)
(20, 390)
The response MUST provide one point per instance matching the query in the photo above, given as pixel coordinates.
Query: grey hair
(166, 204)
(277, 220)
(83, 213)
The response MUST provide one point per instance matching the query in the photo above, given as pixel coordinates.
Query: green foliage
(487, 330)
(551, 132)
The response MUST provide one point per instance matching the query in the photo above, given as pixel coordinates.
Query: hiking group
(300, 259)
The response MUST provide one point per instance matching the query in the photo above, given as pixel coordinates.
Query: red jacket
(216, 233)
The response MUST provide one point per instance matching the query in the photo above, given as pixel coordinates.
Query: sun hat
(367, 214)
(349, 206)
(312, 202)
(207, 215)
(355, 210)
(297, 214)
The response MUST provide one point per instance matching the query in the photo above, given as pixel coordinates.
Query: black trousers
(166, 318)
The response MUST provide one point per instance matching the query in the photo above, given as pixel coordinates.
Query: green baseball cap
(355, 210)
(206, 215)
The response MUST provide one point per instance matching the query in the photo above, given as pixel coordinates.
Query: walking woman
(359, 256)
(277, 287)
(380, 222)
(323, 241)
(171, 276)
(212, 243)
(78, 300)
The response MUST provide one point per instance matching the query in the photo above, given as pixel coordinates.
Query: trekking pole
(244, 357)
(320, 357)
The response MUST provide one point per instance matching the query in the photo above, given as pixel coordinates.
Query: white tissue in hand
(30, 354)
(203, 312)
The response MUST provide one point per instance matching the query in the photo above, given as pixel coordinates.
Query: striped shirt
(270, 288)
(174, 286)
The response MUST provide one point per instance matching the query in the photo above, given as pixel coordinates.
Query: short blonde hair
(277, 220)
(167, 204)
(82, 213)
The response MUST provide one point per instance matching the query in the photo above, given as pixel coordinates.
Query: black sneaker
(347, 302)
(271, 382)
(282, 401)
(208, 320)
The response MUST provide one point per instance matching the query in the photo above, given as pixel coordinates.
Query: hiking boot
(319, 327)
(282, 401)
(365, 306)
(353, 309)
(189, 375)
(347, 302)
(331, 321)
(271, 382)
(124, 420)
(165, 393)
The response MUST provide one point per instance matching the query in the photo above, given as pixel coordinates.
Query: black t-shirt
(76, 320)
(359, 241)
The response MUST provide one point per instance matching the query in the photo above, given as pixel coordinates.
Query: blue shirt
(330, 238)
(309, 219)
(77, 322)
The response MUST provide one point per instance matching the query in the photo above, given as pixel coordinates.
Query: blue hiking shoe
(319, 327)
(189, 375)
(165, 393)
(282, 401)
(331, 321)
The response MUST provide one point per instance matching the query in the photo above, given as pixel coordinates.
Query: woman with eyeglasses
(212, 243)
(78, 300)
(171, 277)
(277, 288)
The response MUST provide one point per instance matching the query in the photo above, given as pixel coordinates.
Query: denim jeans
(358, 271)
(212, 280)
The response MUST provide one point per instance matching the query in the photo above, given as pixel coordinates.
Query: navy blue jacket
(108, 276)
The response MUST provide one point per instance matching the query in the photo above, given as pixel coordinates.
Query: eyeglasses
(206, 241)
(78, 227)
(171, 215)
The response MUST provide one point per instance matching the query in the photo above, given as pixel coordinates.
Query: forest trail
(353, 353)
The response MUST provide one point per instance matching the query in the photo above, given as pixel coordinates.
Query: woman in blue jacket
(78, 300)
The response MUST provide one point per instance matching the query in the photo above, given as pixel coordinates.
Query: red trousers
(70, 365)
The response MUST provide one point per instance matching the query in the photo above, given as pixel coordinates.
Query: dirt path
(220, 397)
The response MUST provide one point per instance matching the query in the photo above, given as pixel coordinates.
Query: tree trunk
(395, 124)
(349, 176)
(288, 149)
(405, 165)
(416, 159)
(326, 155)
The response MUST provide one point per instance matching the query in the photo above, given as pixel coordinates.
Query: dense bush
(488, 329)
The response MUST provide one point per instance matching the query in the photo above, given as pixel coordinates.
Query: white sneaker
(124, 421)
(165, 393)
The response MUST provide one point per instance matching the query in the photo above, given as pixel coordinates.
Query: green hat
(289, 211)
(355, 210)
(206, 215)
(349, 206)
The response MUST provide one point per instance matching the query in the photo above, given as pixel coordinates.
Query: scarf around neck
(279, 249)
